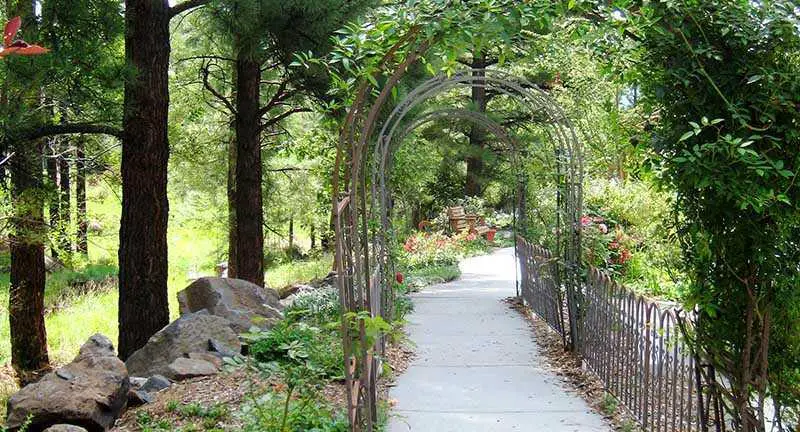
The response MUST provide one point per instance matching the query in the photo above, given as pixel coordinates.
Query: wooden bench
(461, 221)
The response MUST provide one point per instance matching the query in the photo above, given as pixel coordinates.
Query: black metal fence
(635, 346)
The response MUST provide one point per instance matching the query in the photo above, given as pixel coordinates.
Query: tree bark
(82, 235)
(64, 199)
(54, 216)
(249, 212)
(477, 135)
(143, 303)
(232, 208)
(28, 233)
(26, 295)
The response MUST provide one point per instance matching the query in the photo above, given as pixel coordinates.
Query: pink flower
(585, 220)
(603, 228)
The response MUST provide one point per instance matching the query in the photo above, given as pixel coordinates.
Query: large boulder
(244, 304)
(188, 334)
(90, 392)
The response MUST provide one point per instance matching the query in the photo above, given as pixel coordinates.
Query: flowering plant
(606, 245)
(426, 249)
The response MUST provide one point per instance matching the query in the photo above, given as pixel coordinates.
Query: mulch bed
(569, 366)
(231, 387)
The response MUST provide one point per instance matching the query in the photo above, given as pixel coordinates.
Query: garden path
(477, 366)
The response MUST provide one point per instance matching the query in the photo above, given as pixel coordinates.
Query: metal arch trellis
(363, 255)
(569, 167)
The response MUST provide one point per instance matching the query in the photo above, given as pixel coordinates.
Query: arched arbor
(362, 206)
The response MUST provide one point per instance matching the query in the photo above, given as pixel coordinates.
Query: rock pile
(89, 394)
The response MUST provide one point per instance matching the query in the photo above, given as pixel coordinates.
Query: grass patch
(284, 275)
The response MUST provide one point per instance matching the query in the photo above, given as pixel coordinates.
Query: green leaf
(686, 136)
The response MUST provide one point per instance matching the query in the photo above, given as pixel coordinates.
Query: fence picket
(633, 345)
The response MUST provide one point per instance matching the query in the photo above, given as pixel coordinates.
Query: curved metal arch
(529, 95)
(568, 160)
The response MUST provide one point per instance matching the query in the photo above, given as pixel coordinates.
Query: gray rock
(91, 392)
(185, 368)
(189, 333)
(65, 428)
(212, 358)
(242, 303)
(137, 382)
(138, 398)
(220, 348)
(156, 383)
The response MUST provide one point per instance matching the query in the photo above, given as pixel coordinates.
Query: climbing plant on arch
(362, 204)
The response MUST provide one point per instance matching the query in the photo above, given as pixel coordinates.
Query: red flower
(399, 278)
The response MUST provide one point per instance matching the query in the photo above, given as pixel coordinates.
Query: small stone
(65, 428)
(137, 382)
(216, 360)
(156, 383)
(64, 374)
(138, 397)
(218, 347)
(184, 368)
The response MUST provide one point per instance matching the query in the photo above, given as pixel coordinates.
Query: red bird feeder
(19, 46)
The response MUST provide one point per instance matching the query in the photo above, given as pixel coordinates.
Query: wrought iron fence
(633, 345)
(540, 287)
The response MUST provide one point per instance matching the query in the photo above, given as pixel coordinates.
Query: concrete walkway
(477, 366)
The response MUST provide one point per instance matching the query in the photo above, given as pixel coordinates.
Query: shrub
(299, 344)
(277, 411)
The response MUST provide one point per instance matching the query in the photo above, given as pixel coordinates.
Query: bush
(438, 250)
(277, 411)
(320, 305)
(300, 344)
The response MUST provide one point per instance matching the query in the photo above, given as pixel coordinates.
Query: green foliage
(279, 411)
(724, 75)
(299, 344)
(320, 306)
(425, 249)
(628, 233)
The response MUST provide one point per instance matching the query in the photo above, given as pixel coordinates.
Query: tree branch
(279, 96)
(69, 129)
(282, 116)
(183, 7)
(214, 91)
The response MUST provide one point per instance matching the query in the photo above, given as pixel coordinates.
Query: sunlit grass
(281, 276)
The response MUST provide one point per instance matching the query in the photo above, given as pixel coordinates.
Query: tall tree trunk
(313, 235)
(64, 201)
(82, 235)
(28, 232)
(143, 303)
(54, 215)
(249, 211)
(232, 273)
(477, 135)
(291, 233)
(26, 295)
